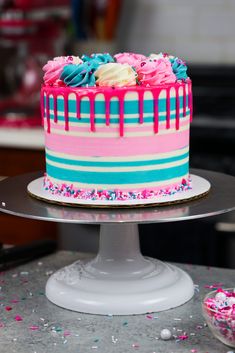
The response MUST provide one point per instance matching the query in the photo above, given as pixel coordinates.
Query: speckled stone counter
(29, 323)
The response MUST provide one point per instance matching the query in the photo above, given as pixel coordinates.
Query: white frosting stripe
(123, 186)
(118, 169)
(116, 134)
(144, 157)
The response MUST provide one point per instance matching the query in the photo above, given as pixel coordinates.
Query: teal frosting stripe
(130, 107)
(138, 177)
(147, 119)
(97, 163)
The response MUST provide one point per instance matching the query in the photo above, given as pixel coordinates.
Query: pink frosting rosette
(153, 72)
(54, 68)
(130, 58)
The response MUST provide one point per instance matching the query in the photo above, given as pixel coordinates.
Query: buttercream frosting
(115, 74)
(101, 58)
(79, 75)
(54, 68)
(179, 68)
(132, 59)
(154, 72)
(122, 69)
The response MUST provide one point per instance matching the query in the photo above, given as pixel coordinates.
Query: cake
(116, 127)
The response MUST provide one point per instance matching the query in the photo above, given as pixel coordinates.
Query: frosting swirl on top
(54, 68)
(115, 74)
(99, 57)
(79, 75)
(154, 72)
(179, 68)
(124, 69)
(130, 58)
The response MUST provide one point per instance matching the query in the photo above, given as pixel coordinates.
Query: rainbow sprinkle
(111, 195)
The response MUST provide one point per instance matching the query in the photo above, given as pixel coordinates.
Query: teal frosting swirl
(179, 68)
(81, 75)
(100, 58)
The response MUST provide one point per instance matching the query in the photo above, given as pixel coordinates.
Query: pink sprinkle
(215, 285)
(1, 324)
(183, 337)
(18, 318)
(67, 333)
(149, 316)
(134, 345)
(24, 281)
(14, 301)
(8, 308)
(194, 350)
(33, 328)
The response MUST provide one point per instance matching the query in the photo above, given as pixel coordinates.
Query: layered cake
(116, 127)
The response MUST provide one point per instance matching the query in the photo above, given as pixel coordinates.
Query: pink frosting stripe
(86, 146)
(109, 129)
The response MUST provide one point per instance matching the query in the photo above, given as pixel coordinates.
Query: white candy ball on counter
(165, 334)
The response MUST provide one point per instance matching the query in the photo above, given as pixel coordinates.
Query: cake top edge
(117, 71)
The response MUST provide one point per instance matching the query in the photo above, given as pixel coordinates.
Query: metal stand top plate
(15, 200)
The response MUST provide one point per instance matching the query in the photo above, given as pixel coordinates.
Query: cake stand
(119, 280)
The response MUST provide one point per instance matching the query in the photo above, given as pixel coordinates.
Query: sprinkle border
(111, 195)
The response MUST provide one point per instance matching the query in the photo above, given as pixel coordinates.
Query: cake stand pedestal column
(119, 280)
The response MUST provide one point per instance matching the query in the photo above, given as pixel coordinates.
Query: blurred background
(200, 32)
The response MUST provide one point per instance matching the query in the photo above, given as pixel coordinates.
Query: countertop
(30, 323)
(30, 138)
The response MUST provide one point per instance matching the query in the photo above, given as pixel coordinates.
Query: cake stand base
(119, 280)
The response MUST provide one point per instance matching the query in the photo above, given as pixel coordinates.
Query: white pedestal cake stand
(119, 280)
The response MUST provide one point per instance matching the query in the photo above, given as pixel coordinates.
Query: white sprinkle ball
(165, 334)
(220, 296)
(231, 301)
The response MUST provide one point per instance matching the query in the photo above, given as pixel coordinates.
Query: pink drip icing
(190, 101)
(66, 111)
(78, 106)
(156, 117)
(42, 107)
(141, 107)
(184, 101)
(48, 113)
(55, 108)
(91, 97)
(121, 114)
(168, 108)
(107, 109)
(109, 93)
(177, 109)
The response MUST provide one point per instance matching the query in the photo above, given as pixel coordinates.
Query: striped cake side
(91, 155)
